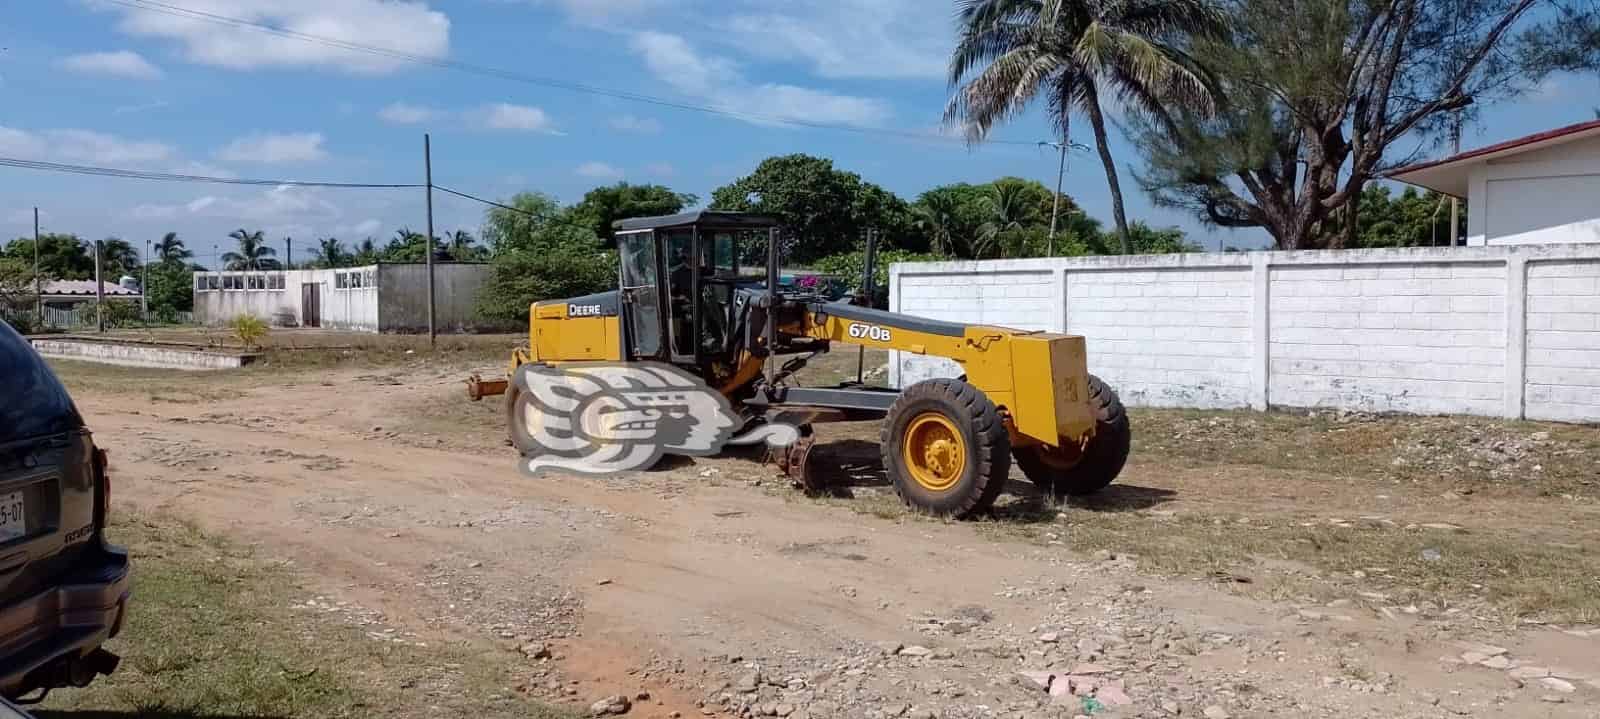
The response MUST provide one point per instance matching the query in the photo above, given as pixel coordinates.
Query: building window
(368, 279)
(341, 280)
(231, 282)
(274, 282)
(199, 283)
(213, 283)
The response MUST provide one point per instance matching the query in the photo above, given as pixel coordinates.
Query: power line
(172, 177)
(487, 71)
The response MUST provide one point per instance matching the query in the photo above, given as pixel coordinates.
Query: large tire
(515, 422)
(945, 448)
(1101, 462)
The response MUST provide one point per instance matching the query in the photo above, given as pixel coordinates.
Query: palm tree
(1012, 207)
(367, 252)
(171, 250)
(330, 253)
(935, 215)
(253, 254)
(1073, 50)
(462, 246)
(117, 257)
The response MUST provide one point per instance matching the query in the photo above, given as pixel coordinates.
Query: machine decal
(583, 310)
(603, 418)
(870, 332)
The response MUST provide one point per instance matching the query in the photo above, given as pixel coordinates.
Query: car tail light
(102, 478)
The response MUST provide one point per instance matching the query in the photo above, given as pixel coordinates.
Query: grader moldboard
(947, 444)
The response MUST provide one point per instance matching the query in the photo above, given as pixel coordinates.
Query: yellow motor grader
(685, 298)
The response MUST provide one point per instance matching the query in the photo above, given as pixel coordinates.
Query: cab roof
(707, 218)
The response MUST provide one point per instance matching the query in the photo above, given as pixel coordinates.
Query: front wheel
(945, 448)
(1066, 471)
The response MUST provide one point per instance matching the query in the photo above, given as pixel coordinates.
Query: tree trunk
(1098, 121)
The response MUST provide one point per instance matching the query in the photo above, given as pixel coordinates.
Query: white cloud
(848, 38)
(505, 116)
(367, 227)
(399, 113)
(275, 148)
(81, 146)
(599, 171)
(719, 82)
(122, 63)
(594, 12)
(408, 27)
(660, 169)
(280, 211)
(640, 125)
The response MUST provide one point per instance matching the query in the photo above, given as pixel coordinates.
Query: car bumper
(44, 637)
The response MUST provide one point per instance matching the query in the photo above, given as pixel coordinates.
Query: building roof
(1450, 175)
(713, 218)
(83, 288)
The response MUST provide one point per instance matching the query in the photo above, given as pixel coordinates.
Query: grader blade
(794, 461)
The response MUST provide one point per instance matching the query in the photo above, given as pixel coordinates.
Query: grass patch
(213, 632)
(1519, 457)
(1519, 573)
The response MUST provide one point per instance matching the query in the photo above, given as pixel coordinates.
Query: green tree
(536, 221)
(461, 246)
(367, 253)
(330, 253)
(171, 249)
(117, 258)
(518, 278)
(252, 253)
(1075, 52)
(408, 246)
(17, 298)
(61, 257)
(1312, 96)
(824, 210)
(602, 206)
(170, 289)
(1413, 219)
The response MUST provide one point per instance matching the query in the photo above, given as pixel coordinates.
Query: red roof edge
(1501, 147)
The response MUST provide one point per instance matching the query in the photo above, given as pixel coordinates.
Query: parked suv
(63, 589)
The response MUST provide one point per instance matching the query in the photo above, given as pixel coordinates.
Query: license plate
(13, 522)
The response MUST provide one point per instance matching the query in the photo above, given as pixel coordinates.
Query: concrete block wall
(1492, 331)
(1563, 352)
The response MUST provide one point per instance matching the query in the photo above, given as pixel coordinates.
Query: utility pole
(144, 285)
(427, 169)
(1055, 207)
(38, 282)
(99, 289)
(1455, 202)
(288, 253)
(869, 284)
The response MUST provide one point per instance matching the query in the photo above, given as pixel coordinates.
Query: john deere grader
(947, 444)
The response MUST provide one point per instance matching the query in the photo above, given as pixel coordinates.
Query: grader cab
(701, 291)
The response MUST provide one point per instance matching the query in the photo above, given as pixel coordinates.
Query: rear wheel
(1067, 471)
(517, 418)
(945, 448)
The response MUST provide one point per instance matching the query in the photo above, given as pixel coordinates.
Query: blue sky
(92, 83)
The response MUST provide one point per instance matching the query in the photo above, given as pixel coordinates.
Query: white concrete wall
(1493, 331)
(1541, 197)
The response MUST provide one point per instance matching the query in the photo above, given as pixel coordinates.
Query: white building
(1540, 189)
(386, 297)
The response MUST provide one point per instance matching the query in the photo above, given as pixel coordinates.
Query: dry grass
(212, 632)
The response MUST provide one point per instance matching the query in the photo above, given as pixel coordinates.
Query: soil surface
(713, 588)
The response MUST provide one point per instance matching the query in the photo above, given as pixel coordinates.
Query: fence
(78, 317)
(1494, 331)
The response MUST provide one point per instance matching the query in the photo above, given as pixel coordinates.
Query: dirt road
(712, 589)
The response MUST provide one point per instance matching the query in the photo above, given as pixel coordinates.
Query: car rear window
(32, 400)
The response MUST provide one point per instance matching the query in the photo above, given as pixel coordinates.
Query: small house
(1539, 189)
(386, 297)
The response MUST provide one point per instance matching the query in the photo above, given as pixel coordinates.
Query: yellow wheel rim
(933, 451)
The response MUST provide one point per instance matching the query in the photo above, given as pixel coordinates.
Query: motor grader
(686, 297)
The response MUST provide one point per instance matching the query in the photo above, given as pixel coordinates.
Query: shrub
(848, 267)
(248, 329)
(522, 277)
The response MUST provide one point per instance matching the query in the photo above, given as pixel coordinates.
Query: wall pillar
(1060, 320)
(1260, 330)
(1516, 336)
